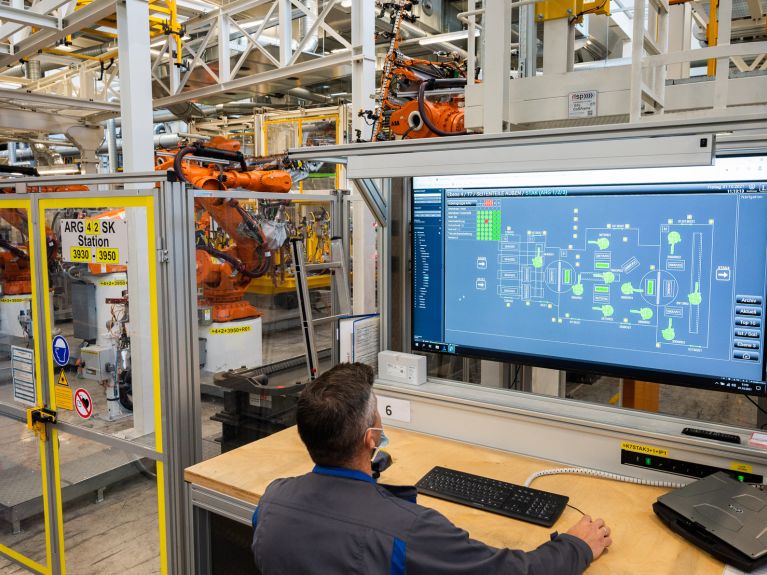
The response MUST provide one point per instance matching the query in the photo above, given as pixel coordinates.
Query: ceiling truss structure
(270, 37)
(47, 37)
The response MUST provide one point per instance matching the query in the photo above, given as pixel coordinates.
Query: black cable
(515, 380)
(18, 252)
(429, 85)
(759, 407)
(578, 510)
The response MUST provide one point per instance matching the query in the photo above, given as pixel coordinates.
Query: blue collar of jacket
(405, 492)
(343, 472)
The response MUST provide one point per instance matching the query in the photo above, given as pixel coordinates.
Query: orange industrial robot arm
(225, 273)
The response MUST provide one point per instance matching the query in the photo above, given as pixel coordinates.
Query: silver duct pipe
(12, 153)
(34, 70)
(111, 141)
(311, 96)
(305, 24)
(163, 141)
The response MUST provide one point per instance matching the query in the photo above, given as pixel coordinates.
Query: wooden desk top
(642, 544)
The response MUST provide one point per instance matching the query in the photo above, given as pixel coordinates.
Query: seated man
(338, 520)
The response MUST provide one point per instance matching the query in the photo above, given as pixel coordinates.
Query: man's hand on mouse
(595, 533)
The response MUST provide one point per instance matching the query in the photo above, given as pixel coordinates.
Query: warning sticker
(226, 330)
(646, 449)
(742, 467)
(63, 393)
(95, 241)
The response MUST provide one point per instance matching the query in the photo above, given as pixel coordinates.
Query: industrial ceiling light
(346, 3)
(62, 171)
(448, 37)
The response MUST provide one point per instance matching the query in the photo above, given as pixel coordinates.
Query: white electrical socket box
(402, 367)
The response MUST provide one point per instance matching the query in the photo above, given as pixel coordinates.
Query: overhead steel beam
(668, 126)
(82, 18)
(135, 85)
(62, 101)
(194, 23)
(24, 120)
(29, 18)
(254, 79)
(42, 7)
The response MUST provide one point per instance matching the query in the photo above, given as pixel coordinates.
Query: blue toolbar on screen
(665, 280)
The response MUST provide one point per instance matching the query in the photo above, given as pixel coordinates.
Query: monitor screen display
(652, 274)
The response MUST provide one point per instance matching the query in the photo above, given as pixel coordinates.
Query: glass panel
(22, 519)
(280, 137)
(685, 402)
(110, 509)
(264, 337)
(98, 272)
(319, 133)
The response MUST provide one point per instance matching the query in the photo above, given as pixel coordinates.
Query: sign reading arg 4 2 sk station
(95, 241)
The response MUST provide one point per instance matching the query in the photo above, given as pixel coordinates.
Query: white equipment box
(402, 367)
(97, 362)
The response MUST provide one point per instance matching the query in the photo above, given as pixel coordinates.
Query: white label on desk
(396, 409)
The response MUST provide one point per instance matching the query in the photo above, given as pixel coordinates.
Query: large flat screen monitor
(655, 274)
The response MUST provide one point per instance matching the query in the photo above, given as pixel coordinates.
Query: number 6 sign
(392, 408)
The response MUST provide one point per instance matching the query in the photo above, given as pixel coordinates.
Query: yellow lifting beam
(574, 10)
(158, 26)
(712, 33)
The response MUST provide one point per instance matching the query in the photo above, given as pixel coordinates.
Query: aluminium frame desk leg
(199, 533)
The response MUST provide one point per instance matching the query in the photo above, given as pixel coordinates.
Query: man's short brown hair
(334, 411)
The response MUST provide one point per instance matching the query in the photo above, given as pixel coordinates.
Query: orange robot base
(407, 121)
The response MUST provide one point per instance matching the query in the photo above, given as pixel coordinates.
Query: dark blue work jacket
(340, 521)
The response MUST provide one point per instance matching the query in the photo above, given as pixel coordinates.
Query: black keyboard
(523, 503)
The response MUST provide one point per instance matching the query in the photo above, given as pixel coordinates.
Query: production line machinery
(418, 98)
(238, 242)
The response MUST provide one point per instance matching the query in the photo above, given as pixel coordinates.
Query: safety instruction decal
(63, 393)
(83, 403)
(60, 351)
(23, 368)
(646, 449)
(95, 241)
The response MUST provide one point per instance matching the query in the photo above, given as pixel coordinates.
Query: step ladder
(340, 292)
(650, 38)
